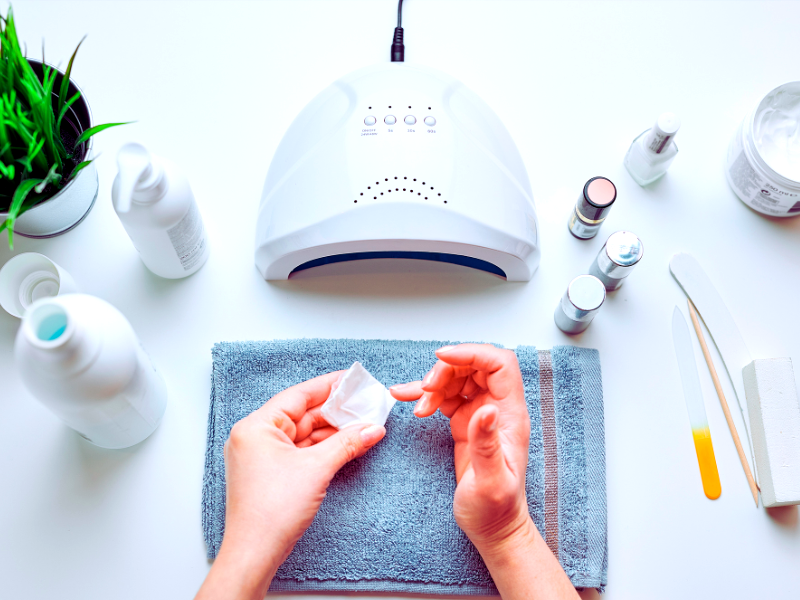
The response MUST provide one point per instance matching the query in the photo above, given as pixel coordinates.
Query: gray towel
(387, 522)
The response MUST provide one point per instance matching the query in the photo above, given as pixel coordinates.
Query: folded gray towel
(387, 524)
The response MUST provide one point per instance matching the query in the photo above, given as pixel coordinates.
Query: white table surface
(213, 86)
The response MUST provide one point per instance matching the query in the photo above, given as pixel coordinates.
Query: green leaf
(51, 177)
(65, 81)
(81, 166)
(7, 170)
(22, 191)
(97, 129)
(65, 108)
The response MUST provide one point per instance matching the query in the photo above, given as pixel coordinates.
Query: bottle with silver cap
(621, 253)
(579, 305)
(593, 204)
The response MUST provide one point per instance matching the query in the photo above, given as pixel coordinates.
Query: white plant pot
(70, 205)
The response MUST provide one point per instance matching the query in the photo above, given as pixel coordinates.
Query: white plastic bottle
(153, 200)
(652, 152)
(80, 357)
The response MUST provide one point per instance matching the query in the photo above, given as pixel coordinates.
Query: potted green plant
(48, 183)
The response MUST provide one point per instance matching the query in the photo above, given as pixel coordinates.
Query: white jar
(763, 163)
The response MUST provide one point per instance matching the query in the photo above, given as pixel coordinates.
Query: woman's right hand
(479, 387)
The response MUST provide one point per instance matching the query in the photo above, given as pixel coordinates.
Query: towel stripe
(547, 407)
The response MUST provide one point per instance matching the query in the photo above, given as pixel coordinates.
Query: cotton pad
(359, 399)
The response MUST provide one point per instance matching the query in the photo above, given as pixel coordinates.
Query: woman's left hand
(279, 461)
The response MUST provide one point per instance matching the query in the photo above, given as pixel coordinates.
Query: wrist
(245, 574)
(503, 547)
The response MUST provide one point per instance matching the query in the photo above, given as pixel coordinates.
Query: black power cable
(398, 50)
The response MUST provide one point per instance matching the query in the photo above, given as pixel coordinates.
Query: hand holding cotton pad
(359, 399)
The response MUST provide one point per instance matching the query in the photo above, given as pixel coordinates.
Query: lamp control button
(410, 120)
(369, 121)
(430, 121)
(390, 120)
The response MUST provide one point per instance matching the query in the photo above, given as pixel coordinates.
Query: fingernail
(372, 434)
(420, 406)
(489, 422)
(427, 378)
(445, 349)
(398, 386)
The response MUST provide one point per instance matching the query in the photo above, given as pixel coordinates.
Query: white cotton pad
(360, 398)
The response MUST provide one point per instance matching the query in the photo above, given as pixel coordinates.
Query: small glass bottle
(652, 152)
(579, 304)
(592, 206)
(621, 253)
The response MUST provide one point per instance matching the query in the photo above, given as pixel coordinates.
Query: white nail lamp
(397, 160)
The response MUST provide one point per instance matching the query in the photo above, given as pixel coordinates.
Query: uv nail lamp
(397, 161)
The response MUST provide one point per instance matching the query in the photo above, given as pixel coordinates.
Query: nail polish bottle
(592, 206)
(652, 152)
(580, 303)
(621, 253)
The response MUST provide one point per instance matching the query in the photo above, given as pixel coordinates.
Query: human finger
(311, 421)
(347, 444)
(442, 373)
(298, 399)
(485, 448)
(499, 365)
(316, 436)
(407, 392)
(451, 405)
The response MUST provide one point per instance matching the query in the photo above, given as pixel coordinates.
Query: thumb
(485, 450)
(347, 444)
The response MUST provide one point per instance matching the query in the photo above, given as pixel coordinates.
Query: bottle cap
(621, 253)
(141, 179)
(661, 136)
(28, 277)
(594, 203)
(584, 296)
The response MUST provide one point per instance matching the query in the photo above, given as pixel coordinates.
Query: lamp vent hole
(398, 189)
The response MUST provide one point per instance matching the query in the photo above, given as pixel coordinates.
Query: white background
(213, 86)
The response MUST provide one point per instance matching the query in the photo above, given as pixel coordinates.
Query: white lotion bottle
(153, 200)
(652, 152)
(79, 356)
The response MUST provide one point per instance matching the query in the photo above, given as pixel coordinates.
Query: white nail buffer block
(359, 399)
(775, 427)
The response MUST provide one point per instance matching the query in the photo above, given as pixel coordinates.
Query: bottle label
(188, 238)
(659, 141)
(755, 190)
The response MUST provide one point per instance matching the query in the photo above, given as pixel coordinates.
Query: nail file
(695, 405)
(694, 281)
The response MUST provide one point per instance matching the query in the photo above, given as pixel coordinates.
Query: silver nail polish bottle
(584, 296)
(621, 253)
